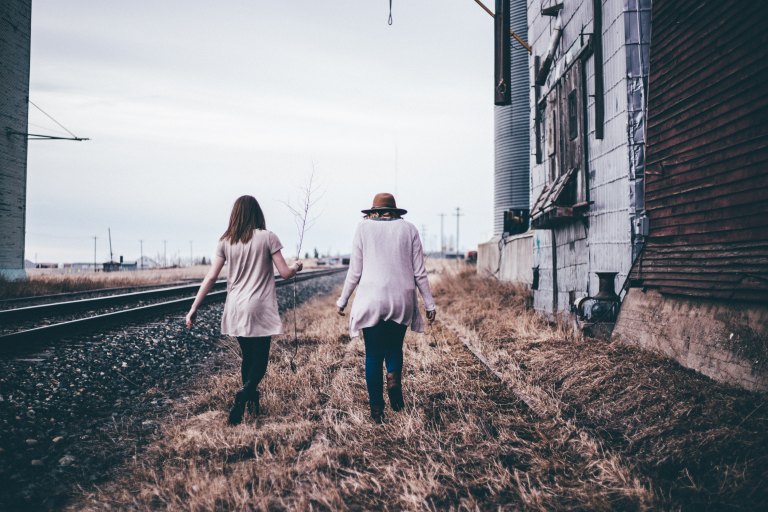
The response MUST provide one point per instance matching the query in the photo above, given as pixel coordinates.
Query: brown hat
(384, 202)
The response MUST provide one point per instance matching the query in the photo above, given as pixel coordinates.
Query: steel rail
(71, 306)
(25, 339)
(63, 295)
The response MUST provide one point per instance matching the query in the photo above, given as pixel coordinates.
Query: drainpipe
(597, 53)
(546, 65)
(554, 272)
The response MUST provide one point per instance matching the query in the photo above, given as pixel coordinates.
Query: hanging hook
(389, 20)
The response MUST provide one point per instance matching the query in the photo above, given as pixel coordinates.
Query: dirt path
(464, 441)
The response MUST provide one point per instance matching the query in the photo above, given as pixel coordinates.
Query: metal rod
(520, 40)
(486, 9)
(37, 136)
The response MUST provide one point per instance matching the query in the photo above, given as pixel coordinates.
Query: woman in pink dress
(386, 268)
(250, 312)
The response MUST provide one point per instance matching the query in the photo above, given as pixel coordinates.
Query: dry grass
(44, 282)
(49, 281)
(464, 441)
(705, 445)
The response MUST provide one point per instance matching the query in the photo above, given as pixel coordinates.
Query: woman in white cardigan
(386, 268)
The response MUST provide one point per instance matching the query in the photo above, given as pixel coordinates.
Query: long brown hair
(245, 217)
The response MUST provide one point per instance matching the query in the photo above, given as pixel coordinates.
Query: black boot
(238, 408)
(253, 403)
(395, 391)
(377, 413)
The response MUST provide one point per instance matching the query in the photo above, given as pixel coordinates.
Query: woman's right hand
(190, 319)
(298, 266)
(431, 315)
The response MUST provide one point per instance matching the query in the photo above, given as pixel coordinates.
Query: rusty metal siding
(707, 151)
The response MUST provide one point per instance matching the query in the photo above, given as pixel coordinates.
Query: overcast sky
(190, 104)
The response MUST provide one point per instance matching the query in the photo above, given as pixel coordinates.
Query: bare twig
(310, 195)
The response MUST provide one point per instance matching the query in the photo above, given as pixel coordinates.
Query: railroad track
(35, 300)
(26, 338)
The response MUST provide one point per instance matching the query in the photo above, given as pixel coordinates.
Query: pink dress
(386, 268)
(251, 306)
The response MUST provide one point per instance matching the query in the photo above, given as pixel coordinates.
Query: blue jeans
(383, 342)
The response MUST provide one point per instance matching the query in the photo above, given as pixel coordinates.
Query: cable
(51, 118)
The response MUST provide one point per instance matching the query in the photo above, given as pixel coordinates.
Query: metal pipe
(597, 53)
(541, 77)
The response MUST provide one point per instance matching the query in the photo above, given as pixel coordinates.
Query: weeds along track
(464, 441)
(701, 445)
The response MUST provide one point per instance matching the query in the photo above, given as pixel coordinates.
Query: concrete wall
(15, 29)
(603, 241)
(725, 341)
(508, 259)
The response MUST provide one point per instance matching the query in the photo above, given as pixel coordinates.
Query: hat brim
(398, 211)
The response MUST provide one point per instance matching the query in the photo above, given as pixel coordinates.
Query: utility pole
(109, 231)
(141, 260)
(424, 237)
(458, 215)
(442, 236)
(191, 258)
(165, 253)
(94, 254)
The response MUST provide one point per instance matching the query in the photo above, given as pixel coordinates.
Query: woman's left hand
(431, 315)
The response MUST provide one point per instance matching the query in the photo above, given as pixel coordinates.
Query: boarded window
(564, 195)
(573, 116)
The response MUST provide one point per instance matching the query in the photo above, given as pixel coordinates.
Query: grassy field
(49, 281)
(562, 429)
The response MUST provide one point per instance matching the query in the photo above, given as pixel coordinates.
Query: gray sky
(192, 104)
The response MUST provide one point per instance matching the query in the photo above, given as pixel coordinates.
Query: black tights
(255, 359)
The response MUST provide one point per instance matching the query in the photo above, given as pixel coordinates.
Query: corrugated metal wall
(707, 150)
(512, 141)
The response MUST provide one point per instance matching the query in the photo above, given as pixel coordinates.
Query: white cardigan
(386, 267)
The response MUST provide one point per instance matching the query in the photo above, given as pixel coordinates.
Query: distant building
(15, 30)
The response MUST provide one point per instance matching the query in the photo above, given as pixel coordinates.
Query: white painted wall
(604, 243)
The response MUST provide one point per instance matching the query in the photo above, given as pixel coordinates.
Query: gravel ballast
(70, 415)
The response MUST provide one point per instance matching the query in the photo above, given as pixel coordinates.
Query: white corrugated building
(589, 68)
